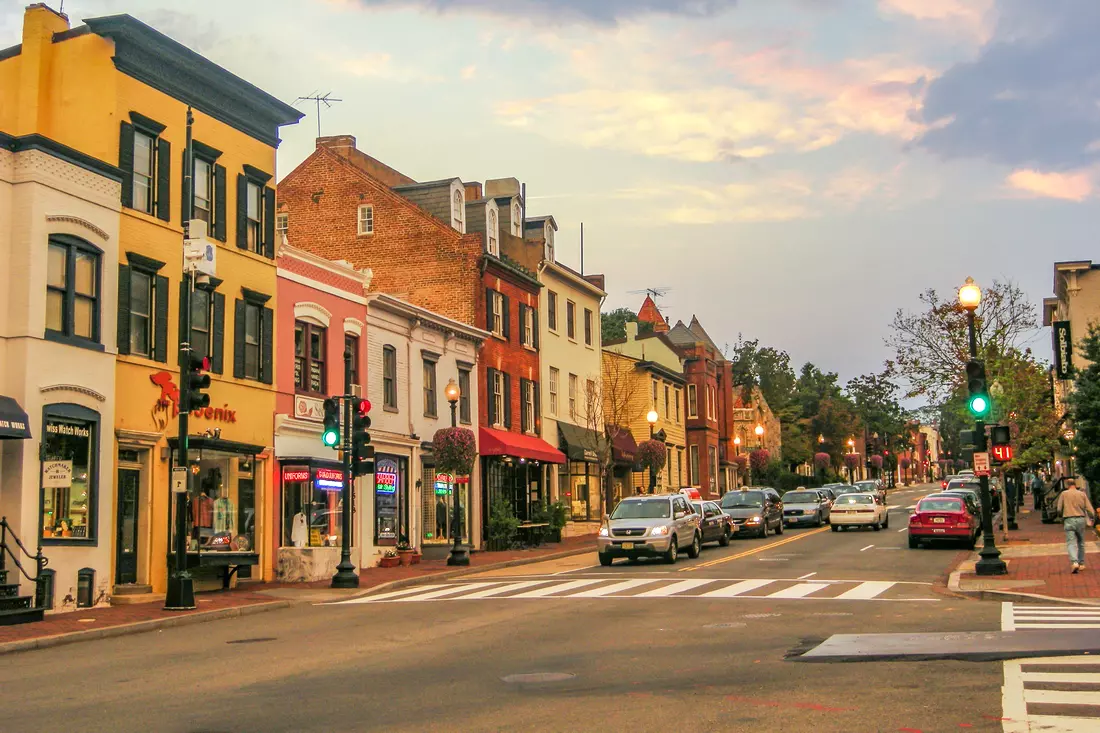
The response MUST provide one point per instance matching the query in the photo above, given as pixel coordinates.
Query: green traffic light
(979, 405)
(330, 438)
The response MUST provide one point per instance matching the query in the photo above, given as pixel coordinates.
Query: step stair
(14, 608)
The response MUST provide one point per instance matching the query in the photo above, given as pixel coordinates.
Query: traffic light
(1001, 453)
(331, 434)
(194, 382)
(1000, 438)
(979, 403)
(362, 452)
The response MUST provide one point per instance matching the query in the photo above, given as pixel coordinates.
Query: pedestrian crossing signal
(1001, 453)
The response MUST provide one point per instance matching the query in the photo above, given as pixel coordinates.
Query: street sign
(981, 464)
(179, 480)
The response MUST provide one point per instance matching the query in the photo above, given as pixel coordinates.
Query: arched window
(517, 223)
(458, 206)
(492, 233)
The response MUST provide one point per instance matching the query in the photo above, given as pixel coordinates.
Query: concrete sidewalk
(107, 621)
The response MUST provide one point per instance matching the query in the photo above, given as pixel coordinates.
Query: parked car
(755, 510)
(827, 495)
(805, 507)
(715, 525)
(650, 526)
(942, 517)
(948, 479)
(872, 487)
(859, 510)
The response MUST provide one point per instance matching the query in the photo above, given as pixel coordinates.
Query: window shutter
(267, 338)
(160, 320)
(535, 327)
(238, 339)
(182, 326)
(524, 427)
(218, 335)
(492, 411)
(126, 163)
(269, 223)
(508, 401)
(164, 180)
(123, 309)
(506, 328)
(219, 203)
(489, 310)
(185, 213)
(242, 211)
(538, 407)
(522, 320)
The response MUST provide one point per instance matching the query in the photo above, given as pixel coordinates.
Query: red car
(944, 518)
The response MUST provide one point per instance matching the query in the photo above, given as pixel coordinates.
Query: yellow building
(117, 92)
(644, 373)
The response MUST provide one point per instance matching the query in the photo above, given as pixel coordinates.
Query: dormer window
(491, 233)
(457, 207)
(517, 220)
(549, 253)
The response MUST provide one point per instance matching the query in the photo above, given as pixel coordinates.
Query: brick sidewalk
(110, 620)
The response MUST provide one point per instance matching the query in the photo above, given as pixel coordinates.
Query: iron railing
(40, 561)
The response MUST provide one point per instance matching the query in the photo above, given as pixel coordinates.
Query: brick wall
(507, 356)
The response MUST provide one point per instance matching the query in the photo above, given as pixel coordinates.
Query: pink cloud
(1065, 186)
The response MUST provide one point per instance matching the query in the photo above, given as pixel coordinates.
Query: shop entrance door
(126, 538)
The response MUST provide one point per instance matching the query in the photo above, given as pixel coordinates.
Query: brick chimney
(474, 191)
(336, 142)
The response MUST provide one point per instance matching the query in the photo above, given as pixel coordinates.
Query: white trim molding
(87, 391)
(354, 325)
(312, 312)
(80, 223)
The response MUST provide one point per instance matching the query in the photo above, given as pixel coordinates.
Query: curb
(139, 627)
(954, 586)
(448, 574)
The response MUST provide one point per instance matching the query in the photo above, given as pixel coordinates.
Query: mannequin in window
(440, 518)
(299, 530)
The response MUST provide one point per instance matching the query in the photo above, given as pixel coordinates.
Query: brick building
(453, 248)
(703, 362)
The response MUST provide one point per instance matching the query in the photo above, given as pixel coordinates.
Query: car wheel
(606, 560)
(914, 543)
(696, 547)
(779, 527)
(836, 527)
(972, 542)
(764, 529)
(876, 526)
(725, 540)
(673, 551)
(820, 521)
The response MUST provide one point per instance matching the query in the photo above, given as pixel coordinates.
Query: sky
(792, 171)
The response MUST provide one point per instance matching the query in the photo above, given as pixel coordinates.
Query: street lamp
(821, 440)
(459, 555)
(970, 297)
(760, 435)
(651, 418)
(737, 446)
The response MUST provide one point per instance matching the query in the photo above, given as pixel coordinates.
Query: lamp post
(760, 435)
(851, 471)
(459, 555)
(651, 418)
(736, 468)
(970, 297)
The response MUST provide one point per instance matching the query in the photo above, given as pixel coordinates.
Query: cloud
(971, 17)
(469, 72)
(378, 65)
(603, 12)
(1065, 186)
(1031, 98)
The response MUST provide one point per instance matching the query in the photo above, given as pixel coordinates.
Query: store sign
(1063, 350)
(167, 404)
(443, 483)
(57, 474)
(309, 408)
(385, 480)
(293, 475)
(329, 479)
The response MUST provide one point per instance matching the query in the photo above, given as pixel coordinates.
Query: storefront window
(583, 490)
(437, 506)
(69, 473)
(312, 508)
(221, 508)
(389, 479)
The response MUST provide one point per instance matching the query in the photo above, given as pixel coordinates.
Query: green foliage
(1085, 409)
(613, 324)
(876, 403)
(558, 516)
(502, 525)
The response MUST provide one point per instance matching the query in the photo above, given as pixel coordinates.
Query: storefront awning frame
(506, 443)
(14, 423)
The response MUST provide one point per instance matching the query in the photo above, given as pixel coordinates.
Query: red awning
(623, 447)
(505, 443)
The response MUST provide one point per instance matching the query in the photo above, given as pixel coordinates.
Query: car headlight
(754, 520)
(604, 532)
(658, 531)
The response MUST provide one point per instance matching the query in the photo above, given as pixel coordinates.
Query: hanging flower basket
(851, 460)
(821, 460)
(905, 463)
(455, 450)
(758, 459)
(876, 461)
(651, 455)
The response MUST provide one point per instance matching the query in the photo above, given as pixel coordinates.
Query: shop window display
(312, 508)
(221, 508)
(68, 475)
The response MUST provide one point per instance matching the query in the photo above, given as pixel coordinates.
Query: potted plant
(405, 552)
(389, 559)
(558, 517)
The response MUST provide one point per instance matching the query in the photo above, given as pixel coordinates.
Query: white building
(59, 227)
(571, 365)
(412, 354)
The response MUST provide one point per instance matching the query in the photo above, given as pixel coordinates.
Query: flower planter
(389, 562)
(414, 558)
(405, 556)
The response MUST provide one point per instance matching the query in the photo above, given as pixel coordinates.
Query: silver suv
(650, 526)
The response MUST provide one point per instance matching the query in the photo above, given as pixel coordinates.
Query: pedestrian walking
(1037, 488)
(1077, 514)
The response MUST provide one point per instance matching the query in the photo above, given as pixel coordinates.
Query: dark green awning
(581, 444)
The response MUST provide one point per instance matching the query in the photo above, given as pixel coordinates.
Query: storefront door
(126, 538)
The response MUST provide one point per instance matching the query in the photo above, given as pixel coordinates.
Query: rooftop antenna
(327, 98)
(653, 293)
(582, 249)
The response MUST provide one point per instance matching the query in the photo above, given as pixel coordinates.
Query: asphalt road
(658, 654)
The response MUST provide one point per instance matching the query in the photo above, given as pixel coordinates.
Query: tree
(764, 367)
(1025, 402)
(876, 404)
(613, 324)
(610, 403)
(1084, 405)
(931, 347)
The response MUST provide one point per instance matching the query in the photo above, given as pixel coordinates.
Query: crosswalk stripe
(556, 589)
(615, 588)
(866, 590)
(800, 590)
(1061, 677)
(671, 590)
(490, 592)
(732, 591)
(1061, 697)
(1057, 626)
(394, 594)
(452, 590)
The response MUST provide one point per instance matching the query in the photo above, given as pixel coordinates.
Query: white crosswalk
(657, 587)
(1056, 694)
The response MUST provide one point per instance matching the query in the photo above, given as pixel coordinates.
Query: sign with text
(57, 474)
(981, 464)
(329, 479)
(1063, 350)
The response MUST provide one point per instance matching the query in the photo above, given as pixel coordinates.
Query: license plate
(939, 530)
(938, 520)
(628, 545)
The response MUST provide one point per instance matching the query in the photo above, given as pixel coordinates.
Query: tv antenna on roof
(653, 293)
(327, 98)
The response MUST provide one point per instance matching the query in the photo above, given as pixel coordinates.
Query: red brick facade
(701, 372)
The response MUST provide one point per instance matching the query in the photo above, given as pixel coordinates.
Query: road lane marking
(731, 591)
(755, 550)
(868, 547)
(903, 529)
(444, 592)
(614, 588)
(807, 575)
(677, 587)
(866, 591)
(571, 585)
(800, 590)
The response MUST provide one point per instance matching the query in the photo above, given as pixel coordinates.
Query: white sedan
(859, 510)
